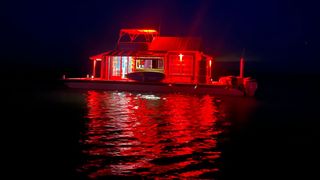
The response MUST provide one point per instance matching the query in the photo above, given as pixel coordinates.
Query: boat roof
(162, 43)
(128, 53)
(149, 54)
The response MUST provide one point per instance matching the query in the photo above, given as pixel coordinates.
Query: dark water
(62, 133)
(166, 135)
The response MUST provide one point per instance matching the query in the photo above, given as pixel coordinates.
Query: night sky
(40, 40)
(278, 35)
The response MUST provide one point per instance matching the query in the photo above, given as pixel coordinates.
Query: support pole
(210, 70)
(94, 68)
(109, 68)
(121, 67)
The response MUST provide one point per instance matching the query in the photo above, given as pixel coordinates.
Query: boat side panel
(162, 88)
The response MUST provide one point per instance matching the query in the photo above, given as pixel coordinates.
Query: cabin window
(121, 66)
(130, 64)
(124, 66)
(149, 65)
(116, 65)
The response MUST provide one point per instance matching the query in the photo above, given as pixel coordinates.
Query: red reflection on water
(168, 136)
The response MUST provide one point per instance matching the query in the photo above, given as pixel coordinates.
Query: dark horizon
(278, 36)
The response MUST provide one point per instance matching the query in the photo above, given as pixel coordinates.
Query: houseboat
(144, 61)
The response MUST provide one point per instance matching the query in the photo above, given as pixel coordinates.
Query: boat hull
(152, 87)
(146, 76)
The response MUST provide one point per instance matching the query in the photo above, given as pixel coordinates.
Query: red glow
(149, 129)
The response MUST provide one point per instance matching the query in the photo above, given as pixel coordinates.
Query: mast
(242, 64)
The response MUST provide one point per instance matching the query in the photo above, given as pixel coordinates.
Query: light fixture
(180, 56)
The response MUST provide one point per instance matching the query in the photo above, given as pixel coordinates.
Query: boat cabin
(143, 52)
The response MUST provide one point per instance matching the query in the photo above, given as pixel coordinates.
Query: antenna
(160, 26)
(159, 29)
(242, 63)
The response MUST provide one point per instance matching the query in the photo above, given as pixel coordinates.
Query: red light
(180, 56)
(210, 62)
(147, 30)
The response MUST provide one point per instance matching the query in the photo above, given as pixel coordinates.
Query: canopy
(176, 44)
(127, 53)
